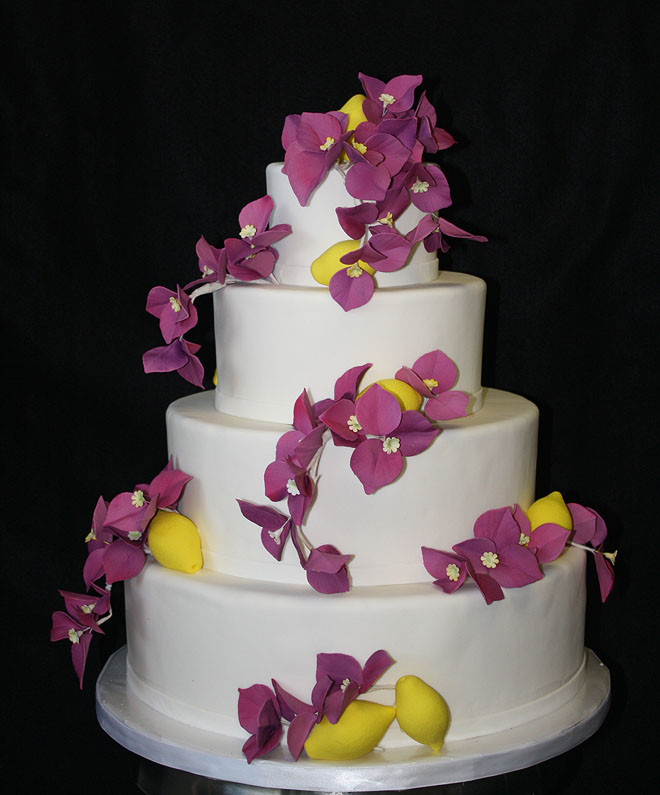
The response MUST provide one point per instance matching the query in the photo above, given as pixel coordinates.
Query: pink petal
(290, 706)
(326, 570)
(250, 703)
(436, 562)
(303, 415)
(367, 182)
(351, 292)
(346, 385)
(517, 567)
(378, 411)
(298, 732)
(353, 220)
(373, 467)
(256, 213)
(168, 485)
(498, 525)
(547, 542)
(374, 668)
(122, 561)
(415, 433)
(336, 418)
(437, 365)
(79, 655)
(447, 405)
(262, 515)
(305, 171)
(605, 573)
(274, 544)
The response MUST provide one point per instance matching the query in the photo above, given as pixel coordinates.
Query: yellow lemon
(358, 731)
(421, 712)
(215, 377)
(550, 509)
(174, 542)
(409, 398)
(353, 108)
(325, 266)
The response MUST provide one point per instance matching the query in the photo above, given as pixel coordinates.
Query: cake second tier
(483, 461)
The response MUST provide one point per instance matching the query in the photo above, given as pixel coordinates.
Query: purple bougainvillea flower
(259, 714)
(395, 96)
(253, 220)
(431, 137)
(326, 570)
(589, 528)
(352, 287)
(313, 142)
(387, 249)
(437, 239)
(448, 569)
(212, 263)
(78, 623)
(433, 375)
(375, 158)
(496, 553)
(175, 311)
(605, 573)
(342, 421)
(429, 189)
(178, 356)
(354, 220)
(302, 718)
(547, 541)
(340, 679)
(275, 526)
(378, 461)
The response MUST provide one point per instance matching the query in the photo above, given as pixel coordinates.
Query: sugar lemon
(421, 712)
(325, 266)
(550, 509)
(409, 398)
(353, 108)
(174, 542)
(358, 731)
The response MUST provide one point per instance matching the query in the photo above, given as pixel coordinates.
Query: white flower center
(345, 684)
(91, 536)
(419, 186)
(387, 219)
(353, 424)
(135, 535)
(206, 271)
(328, 143)
(175, 304)
(249, 230)
(453, 572)
(391, 444)
(87, 609)
(429, 383)
(137, 498)
(74, 635)
(490, 559)
(292, 487)
(276, 535)
(354, 271)
(386, 99)
(524, 540)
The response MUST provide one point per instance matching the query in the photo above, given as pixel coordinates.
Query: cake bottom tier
(193, 640)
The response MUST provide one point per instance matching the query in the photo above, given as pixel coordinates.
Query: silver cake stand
(167, 742)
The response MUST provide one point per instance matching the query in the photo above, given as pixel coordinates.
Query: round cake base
(167, 742)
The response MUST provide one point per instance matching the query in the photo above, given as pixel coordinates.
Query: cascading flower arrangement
(381, 433)
(508, 548)
(117, 547)
(246, 258)
(377, 142)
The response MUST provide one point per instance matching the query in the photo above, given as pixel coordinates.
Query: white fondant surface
(314, 228)
(194, 639)
(484, 461)
(274, 341)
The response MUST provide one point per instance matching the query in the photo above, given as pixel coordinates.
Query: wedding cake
(357, 506)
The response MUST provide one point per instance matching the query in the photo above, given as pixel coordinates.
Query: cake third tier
(483, 461)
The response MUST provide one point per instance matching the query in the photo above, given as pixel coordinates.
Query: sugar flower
(259, 714)
(175, 311)
(433, 375)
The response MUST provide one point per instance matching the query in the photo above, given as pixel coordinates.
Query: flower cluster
(340, 679)
(116, 551)
(245, 258)
(381, 433)
(507, 552)
(377, 142)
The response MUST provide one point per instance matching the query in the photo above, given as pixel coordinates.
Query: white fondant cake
(194, 640)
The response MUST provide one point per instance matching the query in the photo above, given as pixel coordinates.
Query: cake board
(163, 740)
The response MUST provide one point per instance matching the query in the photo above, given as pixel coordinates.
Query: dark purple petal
(250, 703)
(429, 189)
(290, 706)
(337, 417)
(367, 182)
(605, 573)
(338, 667)
(303, 414)
(392, 246)
(167, 486)
(262, 515)
(305, 171)
(353, 220)
(255, 266)
(93, 569)
(517, 567)
(326, 570)
(277, 476)
(79, 653)
(351, 291)
(338, 700)
(373, 466)
(407, 375)
(490, 590)
(274, 540)
(472, 550)
(588, 525)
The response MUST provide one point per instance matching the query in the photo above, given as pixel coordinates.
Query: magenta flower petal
(338, 667)
(338, 700)
(93, 568)
(410, 377)
(373, 467)
(374, 668)
(547, 542)
(354, 220)
(337, 417)
(179, 355)
(212, 263)
(298, 732)
(255, 214)
(326, 570)
(79, 652)
(490, 589)
(367, 182)
(393, 247)
(415, 433)
(378, 411)
(437, 366)
(175, 311)
(122, 561)
(277, 480)
(351, 287)
(289, 705)
(447, 405)
(305, 171)
(400, 91)
(262, 515)
(429, 189)
(588, 525)
(498, 525)
(346, 385)
(449, 570)
(258, 714)
(303, 413)
(517, 567)
(168, 486)
(605, 573)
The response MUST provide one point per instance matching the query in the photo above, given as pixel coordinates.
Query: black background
(130, 129)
